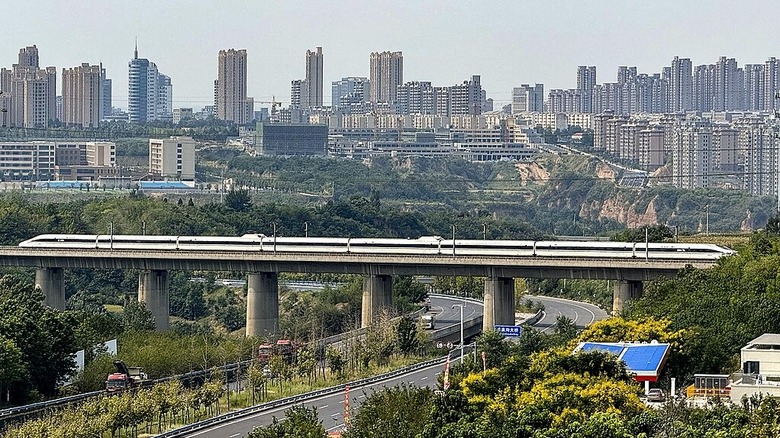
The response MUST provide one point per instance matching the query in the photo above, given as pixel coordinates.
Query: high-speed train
(426, 245)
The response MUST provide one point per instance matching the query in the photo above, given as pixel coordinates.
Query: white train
(427, 245)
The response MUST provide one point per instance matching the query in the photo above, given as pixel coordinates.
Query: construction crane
(274, 105)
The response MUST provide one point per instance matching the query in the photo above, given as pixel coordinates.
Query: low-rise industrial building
(760, 368)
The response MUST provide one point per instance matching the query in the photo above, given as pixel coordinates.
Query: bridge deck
(639, 269)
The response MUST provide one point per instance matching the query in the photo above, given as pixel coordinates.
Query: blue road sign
(511, 331)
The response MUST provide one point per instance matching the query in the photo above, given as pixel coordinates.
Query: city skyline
(508, 45)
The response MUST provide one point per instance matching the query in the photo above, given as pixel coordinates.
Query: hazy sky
(445, 42)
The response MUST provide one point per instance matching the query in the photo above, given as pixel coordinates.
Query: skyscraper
(149, 93)
(726, 85)
(312, 91)
(586, 80)
(387, 73)
(81, 96)
(105, 94)
(30, 92)
(231, 99)
(681, 85)
(526, 98)
(771, 83)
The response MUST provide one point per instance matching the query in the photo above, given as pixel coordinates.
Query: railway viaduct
(262, 270)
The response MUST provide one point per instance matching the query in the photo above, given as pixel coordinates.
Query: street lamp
(707, 221)
(484, 231)
(306, 229)
(461, 327)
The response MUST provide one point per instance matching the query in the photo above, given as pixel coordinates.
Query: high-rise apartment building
(29, 93)
(727, 86)
(172, 157)
(691, 156)
(586, 80)
(105, 94)
(650, 148)
(704, 87)
(753, 79)
(758, 143)
(771, 84)
(312, 91)
(164, 105)
(349, 94)
(387, 73)
(466, 98)
(296, 90)
(149, 93)
(527, 98)
(416, 98)
(681, 85)
(725, 141)
(231, 98)
(81, 102)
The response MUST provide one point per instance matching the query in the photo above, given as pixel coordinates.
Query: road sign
(511, 331)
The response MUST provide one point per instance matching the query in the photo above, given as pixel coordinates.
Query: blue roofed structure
(645, 361)
(164, 185)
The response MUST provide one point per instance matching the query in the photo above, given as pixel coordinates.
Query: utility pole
(274, 237)
(453, 240)
(461, 327)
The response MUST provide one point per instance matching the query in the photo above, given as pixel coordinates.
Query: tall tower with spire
(149, 93)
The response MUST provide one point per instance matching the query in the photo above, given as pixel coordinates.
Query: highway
(581, 313)
(330, 408)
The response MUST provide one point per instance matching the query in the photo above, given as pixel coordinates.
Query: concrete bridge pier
(262, 304)
(377, 295)
(625, 290)
(499, 302)
(153, 291)
(49, 281)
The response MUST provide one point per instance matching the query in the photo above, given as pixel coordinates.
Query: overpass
(499, 269)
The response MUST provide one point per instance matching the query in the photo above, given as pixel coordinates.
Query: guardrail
(29, 410)
(182, 431)
(11, 413)
(534, 319)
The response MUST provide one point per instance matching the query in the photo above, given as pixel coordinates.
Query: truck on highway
(125, 378)
(285, 348)
(428, 321)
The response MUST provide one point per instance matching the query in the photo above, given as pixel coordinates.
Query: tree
(654, 233)
(238, 200)
(43, 336)
(12, 368)
(336, 361)
(299, 422)
(495, 347)
(406, 333)
(136, 317)
(408, 292)
(773, 225)
(399, 412)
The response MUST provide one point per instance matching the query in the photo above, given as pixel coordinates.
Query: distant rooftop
(163, 185)
(768, 339)
(643, 360)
